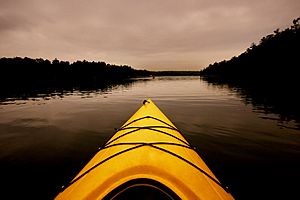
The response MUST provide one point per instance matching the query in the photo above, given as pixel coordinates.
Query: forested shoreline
(275, 58)
(28, 77)
(31, 72)
(267, 73)
(21, 77)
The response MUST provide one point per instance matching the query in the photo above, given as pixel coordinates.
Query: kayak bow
(147, 156)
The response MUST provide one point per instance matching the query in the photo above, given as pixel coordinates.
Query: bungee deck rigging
(119, 145)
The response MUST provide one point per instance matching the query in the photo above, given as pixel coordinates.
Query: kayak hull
(147, 147)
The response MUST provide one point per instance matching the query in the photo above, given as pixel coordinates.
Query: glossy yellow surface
(146, 162)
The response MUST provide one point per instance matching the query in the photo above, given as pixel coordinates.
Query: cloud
(146, 34)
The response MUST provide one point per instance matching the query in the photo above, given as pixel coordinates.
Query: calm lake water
(45, 140)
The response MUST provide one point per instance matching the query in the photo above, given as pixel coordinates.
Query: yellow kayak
(146, 158)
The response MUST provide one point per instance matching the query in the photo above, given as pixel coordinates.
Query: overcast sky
(146, 34)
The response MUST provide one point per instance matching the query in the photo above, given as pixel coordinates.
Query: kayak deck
(148, 151)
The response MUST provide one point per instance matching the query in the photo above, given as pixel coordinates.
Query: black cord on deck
(149, 117)
(145, 101)
(153, 145)
(148, 128)
(138, 145)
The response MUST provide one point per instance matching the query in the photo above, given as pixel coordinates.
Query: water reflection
(23, 95)
(284, 102)
(48, 137)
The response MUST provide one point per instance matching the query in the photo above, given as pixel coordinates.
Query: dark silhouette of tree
(274, 57)
(268, 72)
(25, 75)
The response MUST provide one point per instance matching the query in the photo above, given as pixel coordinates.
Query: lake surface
(46, 139)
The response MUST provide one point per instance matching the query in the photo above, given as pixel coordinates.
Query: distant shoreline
(267, 73)
(175, 73)
(23, 77)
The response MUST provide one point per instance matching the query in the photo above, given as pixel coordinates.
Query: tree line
(27, 77)
(28, 72)
(275, 58)
(266, 73)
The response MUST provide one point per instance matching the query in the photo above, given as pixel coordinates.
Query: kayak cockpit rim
(142, 187)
